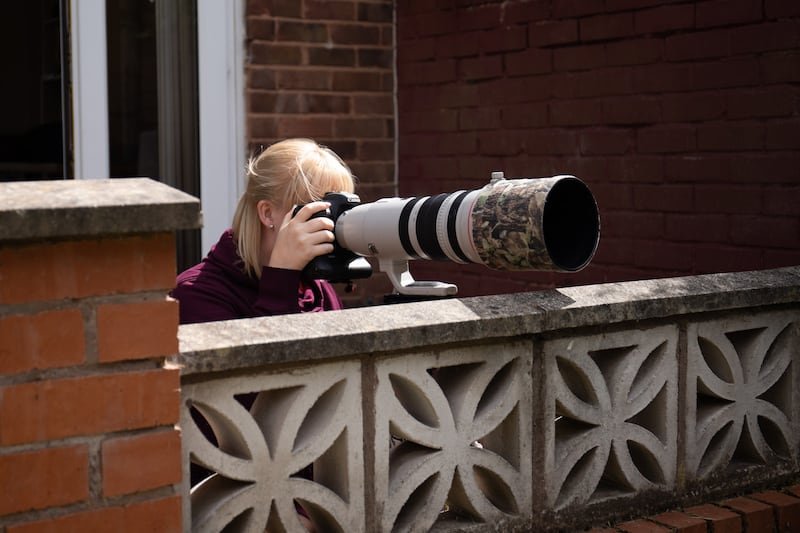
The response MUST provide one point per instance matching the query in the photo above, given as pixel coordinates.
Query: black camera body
(341, 265)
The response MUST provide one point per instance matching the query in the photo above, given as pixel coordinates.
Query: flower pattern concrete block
(453, 434)
(611, 415)
(301, 417)
(742, 405)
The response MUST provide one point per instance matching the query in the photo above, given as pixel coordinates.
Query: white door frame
(89, 89)
(220, 73)
(220, 61)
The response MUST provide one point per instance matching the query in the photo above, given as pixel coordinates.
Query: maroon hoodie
(219, 289)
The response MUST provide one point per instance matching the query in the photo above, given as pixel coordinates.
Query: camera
(547, 223)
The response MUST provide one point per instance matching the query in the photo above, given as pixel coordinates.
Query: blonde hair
(289, 172)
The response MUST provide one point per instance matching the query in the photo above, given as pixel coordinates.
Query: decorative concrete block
(742, 392)
(260, 457)
(610, 415)
(453, 436)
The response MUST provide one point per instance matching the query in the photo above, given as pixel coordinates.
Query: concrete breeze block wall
(683, 117)
(87, 406)
(325, 70)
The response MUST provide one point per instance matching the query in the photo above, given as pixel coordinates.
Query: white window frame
(89, 89)
(220, 55)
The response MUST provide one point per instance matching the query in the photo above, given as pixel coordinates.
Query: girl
(254, 269)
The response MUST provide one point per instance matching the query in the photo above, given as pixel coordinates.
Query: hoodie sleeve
(277, 291)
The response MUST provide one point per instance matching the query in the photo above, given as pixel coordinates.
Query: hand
(302, 238)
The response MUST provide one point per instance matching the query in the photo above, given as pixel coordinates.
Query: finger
(319, 224)
(310, 209)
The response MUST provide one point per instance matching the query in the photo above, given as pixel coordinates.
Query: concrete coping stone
(38, 210)
(248, 343)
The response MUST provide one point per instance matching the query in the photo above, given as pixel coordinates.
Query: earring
(272, 226)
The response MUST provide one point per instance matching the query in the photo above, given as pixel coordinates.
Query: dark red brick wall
(683, 117)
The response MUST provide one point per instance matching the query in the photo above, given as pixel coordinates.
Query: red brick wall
(683, 117)
(87, 409)
(325, 70)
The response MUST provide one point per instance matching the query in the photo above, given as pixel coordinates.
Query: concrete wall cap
(36, 210)
(249, 343)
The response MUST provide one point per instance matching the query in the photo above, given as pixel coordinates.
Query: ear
(264, 210)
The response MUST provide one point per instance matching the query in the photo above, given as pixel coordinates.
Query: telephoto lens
(517, 224)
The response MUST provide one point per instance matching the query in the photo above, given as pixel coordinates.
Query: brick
(663, 78)
(60, 408)
(794, 490)
(631, 110)
(666, 198)
(262, 53)
(634, 51)
(430, 71)
(576, 113)
(731, 136)
(82, 268)
(120, 330)
(301, 79)
(354, 34)
(579, 57)
(552, 32)
(756, 38)
(312, 32)
(375, 12)
(329, 10)
(664, 19)
(503, 39)
(768, 232)
(141, 462)
(782, 201)
(724, 198)
(504, 143)
(531, 61)
(726, 73)
(681, 522)
(522, 116)
(353, 80)
(373, 104)
(576, 8)
(786, 509)
(305, 126)
(698, 227)
(457, 45)
(551, 142)
(337, 57)
(481, 67)
(677, 257)
(153, 515)
(727, 12)
(602, 27)
(784, 135)
(756, 516)
(693, 107)
(721, 520)
(43, 478)
(782, 8)
(49, 339)
(632, 224)
(375, 57)
(481, 118)
(606, 141)
(614, 251)
(666, 139)
(376, 150)
(697, 45)
(262, 78)
(781, 67)
(771, 102)
(719, 258)
(477, 18)
(641, 526)
(259, 28)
